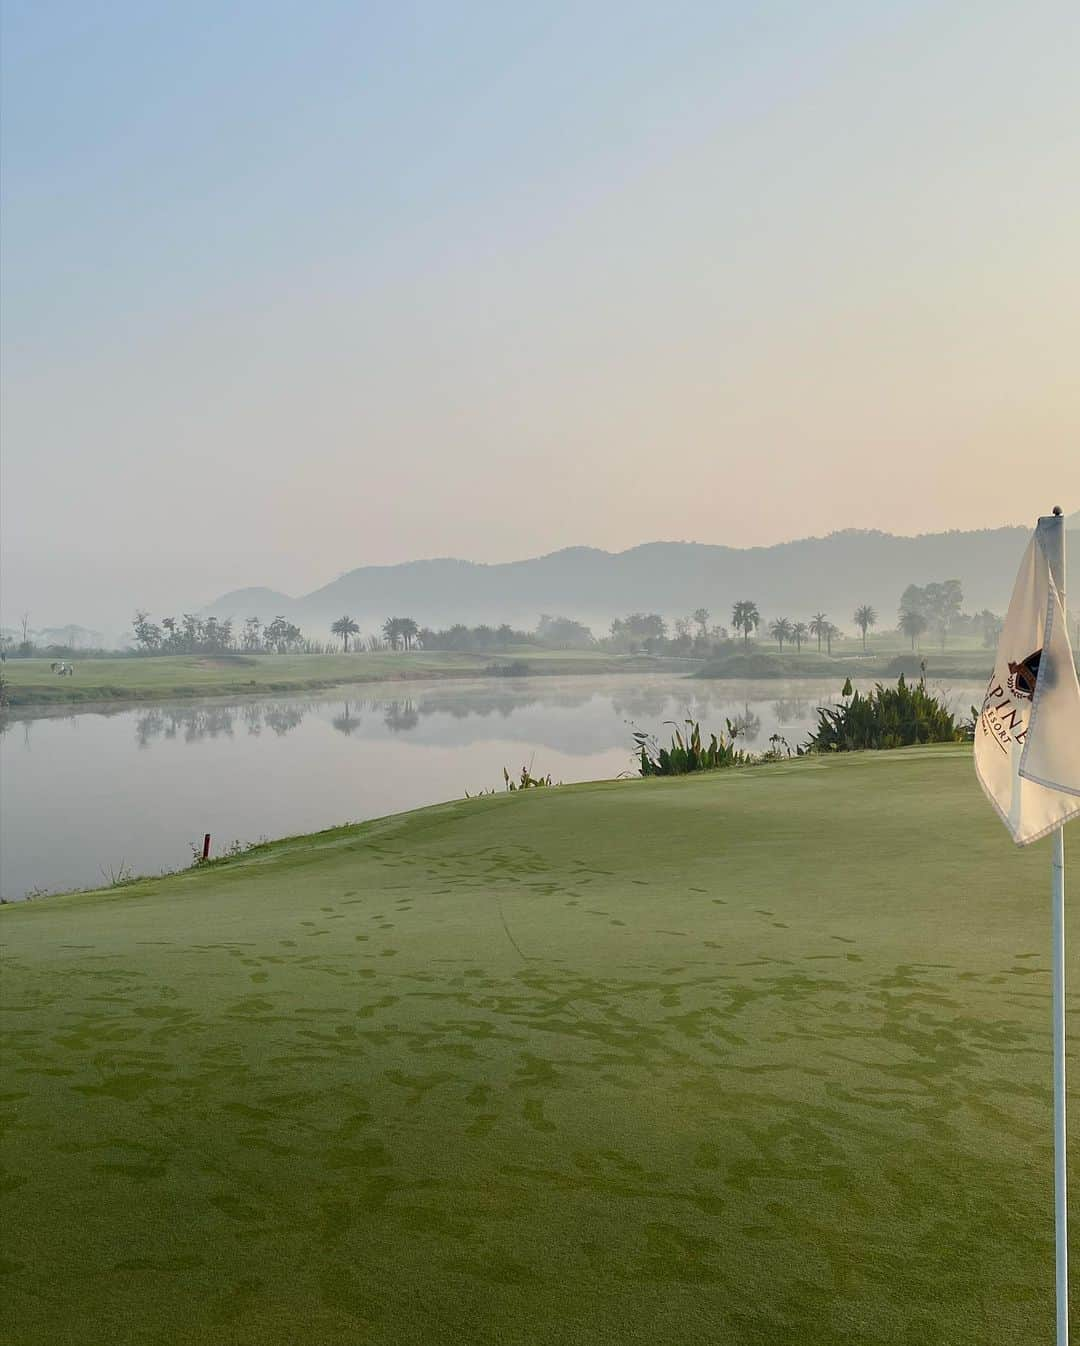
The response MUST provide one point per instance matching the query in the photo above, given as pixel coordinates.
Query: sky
(293, 288)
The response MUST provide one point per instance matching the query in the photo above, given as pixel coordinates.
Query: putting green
(754, 1057)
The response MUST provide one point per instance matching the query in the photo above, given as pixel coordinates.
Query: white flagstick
(1060, 1219)
(1056, 557)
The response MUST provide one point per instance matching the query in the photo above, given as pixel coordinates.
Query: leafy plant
(779, 750)
(887, 717)
(116, 876)
(526, 781)
(687, 752)
(227, 852)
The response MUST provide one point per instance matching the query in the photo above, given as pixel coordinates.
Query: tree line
(936, 607)
(694, 635)
(207, 635)
(405, 633)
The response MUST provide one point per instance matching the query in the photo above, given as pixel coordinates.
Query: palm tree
(780, 631)
(345, 626)
(913, 624)
(864, 618)
(400, 631)
(831, 633)
(799, 632)
(745, 617)
(819, 625)
(701, 616)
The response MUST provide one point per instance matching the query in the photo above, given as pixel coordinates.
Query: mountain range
(833, 574)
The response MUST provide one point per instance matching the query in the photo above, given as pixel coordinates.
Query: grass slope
(766, 663)
(752, 1058)
(32, 682)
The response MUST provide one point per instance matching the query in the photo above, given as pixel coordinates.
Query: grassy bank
(31, 681)
(739, 1059)
(766, 663)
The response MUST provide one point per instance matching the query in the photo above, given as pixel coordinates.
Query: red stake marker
(206, 847)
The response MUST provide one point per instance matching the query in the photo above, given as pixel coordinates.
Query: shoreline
(96, 696)
(270, 849)
(36, 700)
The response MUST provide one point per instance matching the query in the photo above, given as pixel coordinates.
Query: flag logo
(1027, 744)
(1024, 675)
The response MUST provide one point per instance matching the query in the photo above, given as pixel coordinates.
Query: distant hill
(833, 574)
(254, 602)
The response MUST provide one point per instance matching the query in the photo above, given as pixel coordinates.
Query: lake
(92, 794)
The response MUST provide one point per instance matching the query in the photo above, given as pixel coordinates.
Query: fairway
(748, 1058)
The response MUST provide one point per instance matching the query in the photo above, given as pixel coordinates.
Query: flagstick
(1060, 1223)
(1057, 901)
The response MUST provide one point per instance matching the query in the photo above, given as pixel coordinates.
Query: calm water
(89, 793)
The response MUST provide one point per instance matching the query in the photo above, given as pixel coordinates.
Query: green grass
(32, 682)
(762, 662)
(748, 1058)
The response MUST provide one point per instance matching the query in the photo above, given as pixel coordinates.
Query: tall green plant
(527, 781)
(887, 717)
(687, 752)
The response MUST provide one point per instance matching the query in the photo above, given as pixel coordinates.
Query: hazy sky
(290, 288)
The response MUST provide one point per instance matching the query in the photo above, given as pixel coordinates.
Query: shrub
(527, 780)
(906, 665)
(887, 717)
(769, 664)
(688, 754)
(517, 668)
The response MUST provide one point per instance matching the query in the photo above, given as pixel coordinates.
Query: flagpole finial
(1057, 511)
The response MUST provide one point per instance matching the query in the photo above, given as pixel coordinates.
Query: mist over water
(92, 794)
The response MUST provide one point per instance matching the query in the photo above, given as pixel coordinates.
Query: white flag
(1027, 738)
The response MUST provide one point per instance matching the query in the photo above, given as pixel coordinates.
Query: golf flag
(1027, 737)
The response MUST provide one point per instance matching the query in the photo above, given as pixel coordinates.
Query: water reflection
(195, 723)
(747, 725)
(647, 705)
(191, 725)
(791, 710)
(347, 721)
(401, 716)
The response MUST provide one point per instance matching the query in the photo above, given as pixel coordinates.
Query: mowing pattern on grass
(752, 1057)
